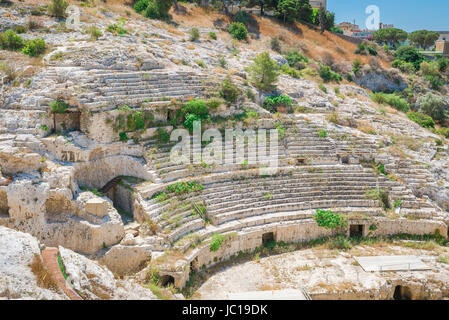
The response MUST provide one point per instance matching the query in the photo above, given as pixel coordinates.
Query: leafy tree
(409, 54)
(433, 105)
(423, 38)
(238, 30)
(158, 9)
(326, 19)
(229, 91)
(305, 11)
(390, 36)
(57, 8)
(287, 10)
(264, 72)
(262, 4)
(9, 40)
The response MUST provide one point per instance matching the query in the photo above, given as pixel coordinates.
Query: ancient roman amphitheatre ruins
(93, 206)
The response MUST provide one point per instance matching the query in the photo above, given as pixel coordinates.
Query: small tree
(409, 54)
(423, 38)
(287, 10)
(329, 220)
(57, 8)
(433, 106)
(264, 72)
(238, 30)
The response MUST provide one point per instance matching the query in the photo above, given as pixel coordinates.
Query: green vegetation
(329, 220)
(379, 194)
(229, 91)
(392, 100)
(194, 34)
(117, 29)
(9, 40)
(177, 189)
(423, 38)
(432, 105)
(271, 103)
(34, 47)
(57, 8)
(238, 30)
(275, 44)
(390, 36)
(328, 75)
(264, 72)
(141, 5)
(59, 106)
(422, 119)
(217, 240)
(212, 35)
(322, 133)
(366, 49)
(409, 54)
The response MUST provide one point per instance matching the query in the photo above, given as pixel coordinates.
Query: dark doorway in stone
(402, 293)
(345, 160)
(167, 280)
(194, 265)
(356, 230)
(267, 238)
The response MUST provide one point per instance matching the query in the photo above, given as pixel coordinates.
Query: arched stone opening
(402, 293)
(167, 280)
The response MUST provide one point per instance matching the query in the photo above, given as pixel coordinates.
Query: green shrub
(57, 8)
(182, 187)
(292, 72)
(328, 75)
(238, 30)
(365, 49)
(190, 118)
(392, 100)
(275, 44)
(406, 67)
(229, 91)
(329, 220)
(322, 133)
(271, 103)
(213, 103)
(264, 72)
(9, 40)
(340, 242)
(194, 34)
(222, 62)
(379, 194)
(409, 54)
(158, 9)
(94, 32)
(422, 119)
(433, 106)
(444, 132)
(196, 106)
(443, 64)
(217, 240)
(34, 47)
(135, 121)
(123, 136)
(322, 87)
(59, 106)
(356, 66)
(162, 135)
(116, 29)
(242, 17)
(296, 59)
(213, 35)
(141, 5)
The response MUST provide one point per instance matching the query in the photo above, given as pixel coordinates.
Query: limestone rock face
(97, 282)
(17, 281)
(381, 81)
(97, 207)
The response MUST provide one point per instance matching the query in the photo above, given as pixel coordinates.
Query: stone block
(97, 207)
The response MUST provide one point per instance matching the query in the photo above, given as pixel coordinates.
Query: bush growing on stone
(190, 118)
(213, 35)
(217, 240)
(392, 100)
(135, 121)
(238, 30)
(406, 67)
(296, 59)
(409, 54)
(196, 106)
(34, 48)
(94, 32)
(158, 9)
(229, 91)
(264, 72)
(57, 8)
(123, 136)
(275, 44)
(213, 103)
(366, 49)
(183, 187)
(242, 17)
(271, 103)
(9, 40)
(194, 34)
(422, 119)
(222, 62)
(59, 106)
(328, 75)
(116, 29)
(329, 220)
(141, 5)
(433, 106)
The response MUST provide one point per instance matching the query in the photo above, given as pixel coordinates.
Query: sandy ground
(321, 271)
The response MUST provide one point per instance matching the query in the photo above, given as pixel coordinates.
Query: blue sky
(409, 15)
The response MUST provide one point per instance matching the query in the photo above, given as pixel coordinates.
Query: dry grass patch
(43, 278)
